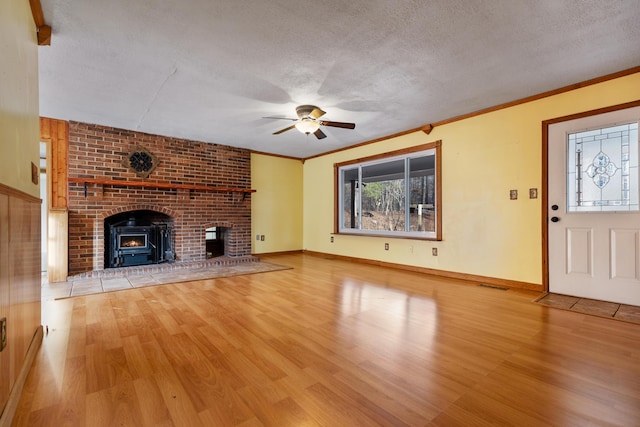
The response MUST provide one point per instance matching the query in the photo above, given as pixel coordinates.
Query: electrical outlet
(386, 246)
(434, 251)
(262, 237)
(533, 193)
(513, 194)
(411, 249)
(331, 239)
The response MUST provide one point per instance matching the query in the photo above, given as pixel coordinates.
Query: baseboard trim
(297, 251)
(433, 272)
(16, 392)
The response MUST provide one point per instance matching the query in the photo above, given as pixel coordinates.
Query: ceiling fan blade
(284, 130)
(319, 134)
(316, 113)
(280, 118)
(338, 124)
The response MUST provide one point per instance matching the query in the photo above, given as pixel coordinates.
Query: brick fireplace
(188, 184)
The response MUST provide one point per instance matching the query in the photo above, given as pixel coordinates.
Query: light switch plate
(35, 173)
(3, 333)
(513, 194)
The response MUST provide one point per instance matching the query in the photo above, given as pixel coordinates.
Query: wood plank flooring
(329, 343)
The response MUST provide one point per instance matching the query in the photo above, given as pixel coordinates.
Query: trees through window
(394, 194)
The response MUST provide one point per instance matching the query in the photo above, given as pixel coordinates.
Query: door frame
(545, 176)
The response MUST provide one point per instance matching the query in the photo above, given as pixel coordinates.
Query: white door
(594, 212)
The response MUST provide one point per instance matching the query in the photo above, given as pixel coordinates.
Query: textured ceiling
(210, 70)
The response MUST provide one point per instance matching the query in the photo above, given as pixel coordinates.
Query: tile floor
(137, 278)
(613, 310)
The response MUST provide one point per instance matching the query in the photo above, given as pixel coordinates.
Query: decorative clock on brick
(141, 161)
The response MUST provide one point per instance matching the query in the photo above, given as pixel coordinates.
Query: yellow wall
(20, 204)
(276, 206)
(484, 232)
(19, 127)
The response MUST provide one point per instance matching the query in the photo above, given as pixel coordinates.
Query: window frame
(405, 153)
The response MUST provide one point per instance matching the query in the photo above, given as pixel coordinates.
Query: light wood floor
(329, 343)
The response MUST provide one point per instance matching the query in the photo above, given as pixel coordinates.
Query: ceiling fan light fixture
(307, 126)
(308, 121)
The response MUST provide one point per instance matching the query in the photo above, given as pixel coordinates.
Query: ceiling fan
(308, 121)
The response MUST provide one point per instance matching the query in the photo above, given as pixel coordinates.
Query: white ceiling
(210, 70)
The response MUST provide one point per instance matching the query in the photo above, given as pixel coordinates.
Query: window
(210, 233)
(397, 194)
(602, 169)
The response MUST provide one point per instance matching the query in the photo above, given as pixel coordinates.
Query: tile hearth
(137, 277)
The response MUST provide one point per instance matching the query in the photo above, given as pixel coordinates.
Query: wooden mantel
(167, 185)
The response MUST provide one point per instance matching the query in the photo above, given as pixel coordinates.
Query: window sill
(387, 236)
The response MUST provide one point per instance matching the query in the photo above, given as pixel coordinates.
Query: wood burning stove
(132, 244)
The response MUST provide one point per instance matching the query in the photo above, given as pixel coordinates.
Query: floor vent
(500, 288)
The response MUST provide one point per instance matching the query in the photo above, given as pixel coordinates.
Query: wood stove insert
(138, 240)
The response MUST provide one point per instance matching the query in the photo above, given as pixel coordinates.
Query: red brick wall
(98, 152)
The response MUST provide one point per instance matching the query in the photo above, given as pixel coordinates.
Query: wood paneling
(19, 284)
(329, 342)
(5, 360)
(56, 134)
(58, 243)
